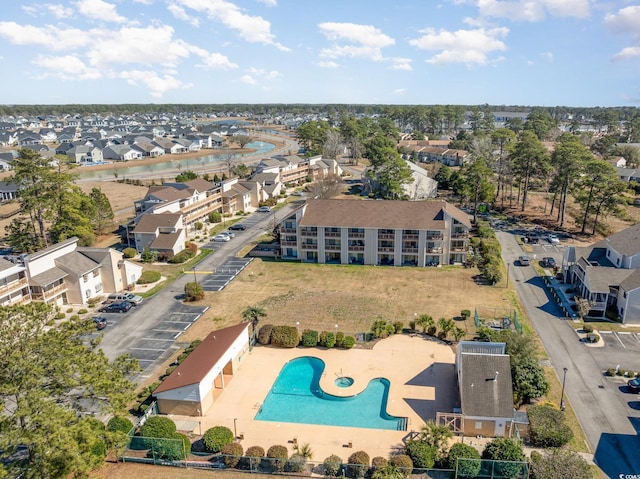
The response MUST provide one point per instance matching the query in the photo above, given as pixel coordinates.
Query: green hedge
(327, 339)
(332, 466)
(357, 464)
(129, 253)
(348, 342)
(310, 338)
(548, 426)
(149, 277)
(285, 336)
(217, 437)
(119, 423)
(193, 291)
(182, 257)
(264, 334)
(279, 455)
(232, 454)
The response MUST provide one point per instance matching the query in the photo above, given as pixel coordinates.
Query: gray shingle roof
(76, 263)
(627, 241)
(483, 393)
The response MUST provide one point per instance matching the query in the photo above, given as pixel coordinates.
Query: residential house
(236, 196)
(607, 274)
(386, 233)
(81, 154)
(14, 286)
(171, 147)
(629, 174)
(293, 169)
(162, 232)
(193, 387)
(486, 390)
(67, 274)
(148, 149)
(121, 153)
(6, 160)
(8, 191)
(419, 188)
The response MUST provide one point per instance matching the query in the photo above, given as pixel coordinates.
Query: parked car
(101, 322)
(553, 239)
(524, 261)
(221, 238)
(548, 262)
(229, 233)
(264, 209)
(237, 227)
(134, 299)
(121, 307)
(634, 385)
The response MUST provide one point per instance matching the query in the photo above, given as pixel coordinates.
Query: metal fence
(489, 469)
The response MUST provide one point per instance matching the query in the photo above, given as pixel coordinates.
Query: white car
(553, 239)
(264, 209)
(221, 238)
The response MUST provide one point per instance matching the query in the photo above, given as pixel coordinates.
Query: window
(624, 295)
(478, 425)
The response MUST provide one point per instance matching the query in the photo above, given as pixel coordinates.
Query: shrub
(198, 225)
(422, 454)
(377, 462)
(82, 311)
(174, 448)
(278, 455)
(252, 457)
(412, 325)
(69, 310)
(264, 333)
(469, 468)
(60, 315)
(284, 336)
(465, 313)
(215, 217)
(610, 372)
(548, 427)
(504, 449)
(348, 342)
(594, 338)
(129, 253)
(149, 256)
(621, 372)
(431, 330)
(587, 328)
(310, 338)
(232, 453)
(398, 325)
(332, 466)
(296, 463)
(157, 427)
(148, 277)
(217, 437)
(191, 246)
(182, 257)
(402, 462)
(74, 317)
(119, 424)
(327, 339)
(357, 464)
(193, 291)
(339, 339)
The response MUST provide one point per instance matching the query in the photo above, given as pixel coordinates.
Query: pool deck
(422, 376)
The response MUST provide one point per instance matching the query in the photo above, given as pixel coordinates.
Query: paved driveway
(610, 424)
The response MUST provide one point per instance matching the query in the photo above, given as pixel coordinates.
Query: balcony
(410, 236)
(434, 250)
(458, 249)
(288, 230)
(309, 246)
(21, 283)
(356, 235)
(386, 236)
(49, 293)
(386, 249)
(459, 235)
(308, 232)
(332, 234)
(356, 248)
(437, 237)
(332, 247)
(410, 250)
(288, 243)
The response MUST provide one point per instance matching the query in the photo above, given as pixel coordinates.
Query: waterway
(125, 170)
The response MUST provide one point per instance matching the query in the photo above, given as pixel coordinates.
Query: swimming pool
(296, 397)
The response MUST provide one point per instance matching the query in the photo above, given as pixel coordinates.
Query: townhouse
(65, 273)
(386, 233)
(607, 274)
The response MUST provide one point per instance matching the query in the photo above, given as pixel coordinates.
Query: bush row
(490, 263)
(287, 337)
(622, 372)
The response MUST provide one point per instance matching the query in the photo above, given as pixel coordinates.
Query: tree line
(52, 207)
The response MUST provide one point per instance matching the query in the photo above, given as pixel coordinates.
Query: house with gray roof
(384, 233)
(163, 232)
(607, 274)
(486, 390)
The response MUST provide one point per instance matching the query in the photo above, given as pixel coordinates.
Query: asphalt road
(151, 331)
(604, 409)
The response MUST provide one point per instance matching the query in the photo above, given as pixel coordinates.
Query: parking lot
(224, 274)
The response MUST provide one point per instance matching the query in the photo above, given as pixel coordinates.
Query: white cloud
(366, 41)
(548, 56)
(462, 46)
(627, 53)
(59, 11)
(66, 67)
(30, 10)
(269, 3)
(401, 64)
(626, 20)
(49, 36)
(248, 79)
(328, 64)
(178, 12)
(533, 10)
(157, 85)
(217, 61)
(254, 29)
(144, 2)
(99, 10)
(146, 46)
(399, 91)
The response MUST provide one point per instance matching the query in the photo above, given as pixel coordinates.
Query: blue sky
(517, 52)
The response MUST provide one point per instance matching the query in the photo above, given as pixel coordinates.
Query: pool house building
(383, 233)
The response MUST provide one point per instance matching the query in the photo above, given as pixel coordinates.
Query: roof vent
(495, 378)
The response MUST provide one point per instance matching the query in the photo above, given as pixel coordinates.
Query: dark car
(548, 262)
(634, 385)
(101, 322)
(121, 307)
(238, 227)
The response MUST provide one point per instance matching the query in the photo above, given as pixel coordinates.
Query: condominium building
(386, 233)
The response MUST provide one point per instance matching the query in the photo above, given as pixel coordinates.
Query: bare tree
(242, 140)
(229, 161)
(332, 146)
(327, 187)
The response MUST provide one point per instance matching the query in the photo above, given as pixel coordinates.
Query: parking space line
(158, 339)
(637, 336)
(148, 349)
(624, 332)
(620, 340)
(187, 326)
(166, 331)
(177, 335)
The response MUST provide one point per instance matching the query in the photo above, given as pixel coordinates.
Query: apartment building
(371, 232)
(14, 286)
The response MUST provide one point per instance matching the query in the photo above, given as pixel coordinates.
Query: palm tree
(437, 436)
(425, 322)
(458, 334)
(304, 450)
(388, 471)
(446, 325)
(253, 314)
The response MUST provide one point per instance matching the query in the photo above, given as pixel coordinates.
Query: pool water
(344, 382)
(296, 397)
